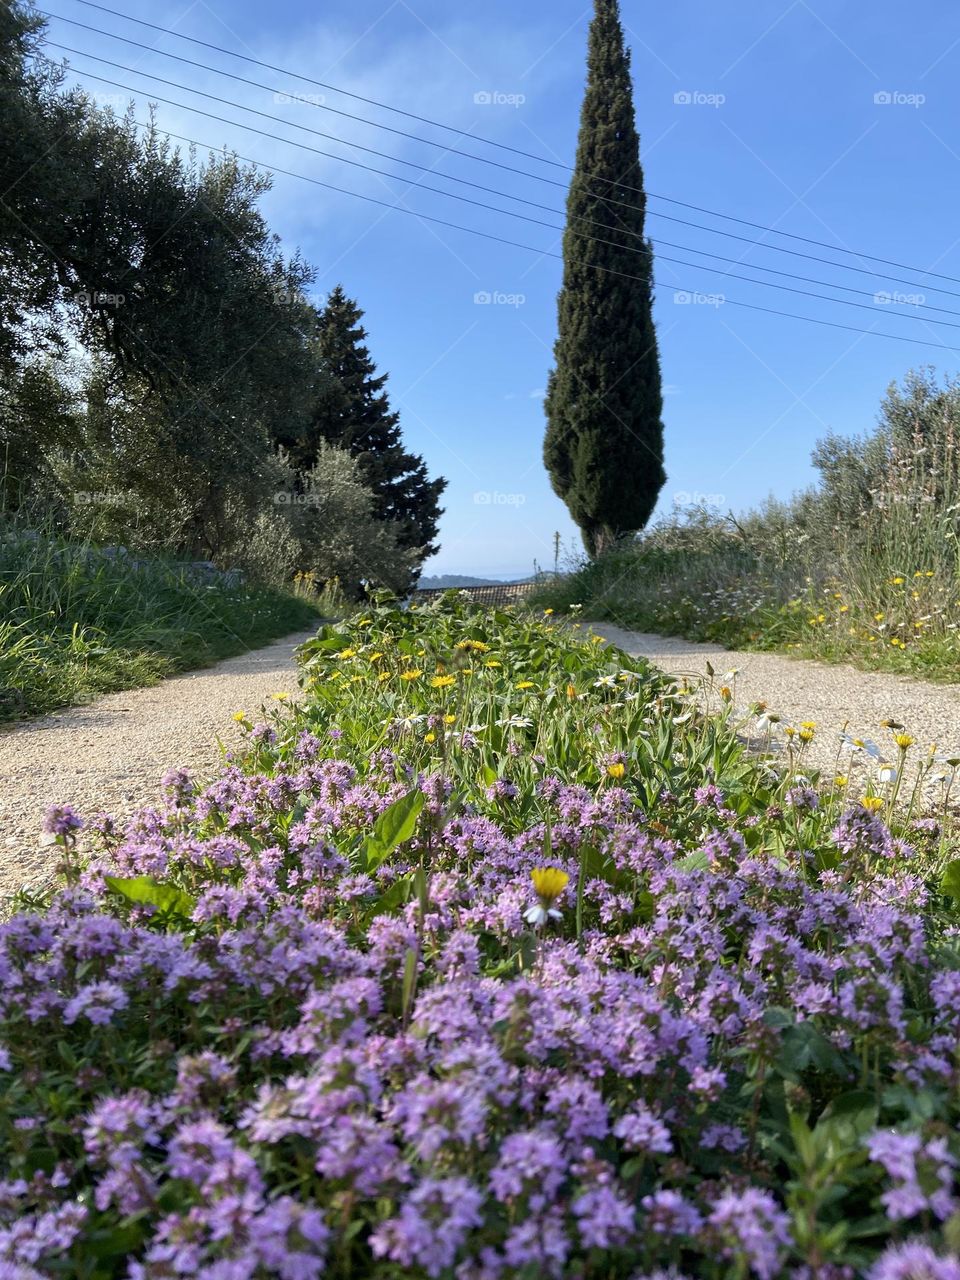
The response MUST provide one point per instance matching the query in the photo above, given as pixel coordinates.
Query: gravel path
(834, 697)
(109, 756)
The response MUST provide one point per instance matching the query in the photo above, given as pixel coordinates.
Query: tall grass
(76, 620)
(865, 569)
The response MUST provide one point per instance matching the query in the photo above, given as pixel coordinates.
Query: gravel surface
(834, 697)
(110, 755)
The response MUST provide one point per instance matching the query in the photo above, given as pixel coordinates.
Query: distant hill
(443, 581)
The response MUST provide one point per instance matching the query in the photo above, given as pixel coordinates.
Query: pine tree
(604, 441)
(353, 413)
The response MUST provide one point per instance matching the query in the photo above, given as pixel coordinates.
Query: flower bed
(488, 958)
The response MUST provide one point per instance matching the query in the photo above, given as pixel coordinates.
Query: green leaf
(646, 905)
(950, 884)
(597, 866)
(803, 1046)
(394, 826)
(409, 980)
(846, 1122)
(951, 1232)
(696, 861)
(145, 891)
(391, 899)
(777, 1017)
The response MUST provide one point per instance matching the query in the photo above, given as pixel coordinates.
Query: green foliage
(340, 535)
(395, 826)
(157, 349)
(863, 568)
(343, 937)
(77, 621)
(603, 447)
(166, 901)
(352, 412)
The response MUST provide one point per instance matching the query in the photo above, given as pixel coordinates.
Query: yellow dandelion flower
(346, 653)
(525, 684)
(282, 696)
(240, 717)
(897, 582)
(597, 639)
(474, 646)
(547, 613)
(878, 617)
(413, 674)
(375, 657)
(841, 780)
(903, 740)
(429, 737)
(449, 719)
(384, 675)
(549, 882)
(725, 693)
(806, 735)
(873, 804)
(616, 770)
(571, 692)
(808, 724)
(442, 682)
(493, 664)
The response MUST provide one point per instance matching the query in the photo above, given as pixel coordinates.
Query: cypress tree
(353, 412)
(604, 441)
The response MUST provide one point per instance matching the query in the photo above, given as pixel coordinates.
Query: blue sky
(835, 121)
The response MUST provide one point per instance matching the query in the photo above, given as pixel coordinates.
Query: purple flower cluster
(347, 1063)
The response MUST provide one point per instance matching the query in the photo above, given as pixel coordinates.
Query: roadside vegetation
(77, 619)
(489, 955)
(863, 568)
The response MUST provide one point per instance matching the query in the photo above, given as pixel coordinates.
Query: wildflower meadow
(487, 955)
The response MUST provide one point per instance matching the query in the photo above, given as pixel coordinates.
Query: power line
(686, 222)
(823, 244)
(546, 253)
(552, 226)
(494, 208)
